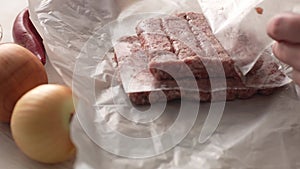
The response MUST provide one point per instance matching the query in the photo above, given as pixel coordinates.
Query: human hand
(285, 29)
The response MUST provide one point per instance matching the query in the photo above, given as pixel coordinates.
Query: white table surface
(10, 156)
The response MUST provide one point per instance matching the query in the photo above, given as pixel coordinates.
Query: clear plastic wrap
(241, 25)
(112, 133)
(230, 22)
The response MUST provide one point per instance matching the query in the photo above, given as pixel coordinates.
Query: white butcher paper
(258, 133)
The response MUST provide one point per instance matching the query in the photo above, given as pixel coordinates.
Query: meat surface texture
(143, 87)
(190, 40)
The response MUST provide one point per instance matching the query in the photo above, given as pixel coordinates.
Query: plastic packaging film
(242, 21)
(234, 19)
(111, 133)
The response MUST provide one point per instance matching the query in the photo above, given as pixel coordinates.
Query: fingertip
(275, 49)
(280, 52)
(285, 27)
(274, 27)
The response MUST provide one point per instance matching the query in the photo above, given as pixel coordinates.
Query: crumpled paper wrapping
(262, 132)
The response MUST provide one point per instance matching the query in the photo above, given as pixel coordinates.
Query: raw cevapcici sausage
(25, 34)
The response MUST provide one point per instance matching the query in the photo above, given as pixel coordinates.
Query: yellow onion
(40, 123)
(20, 71)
